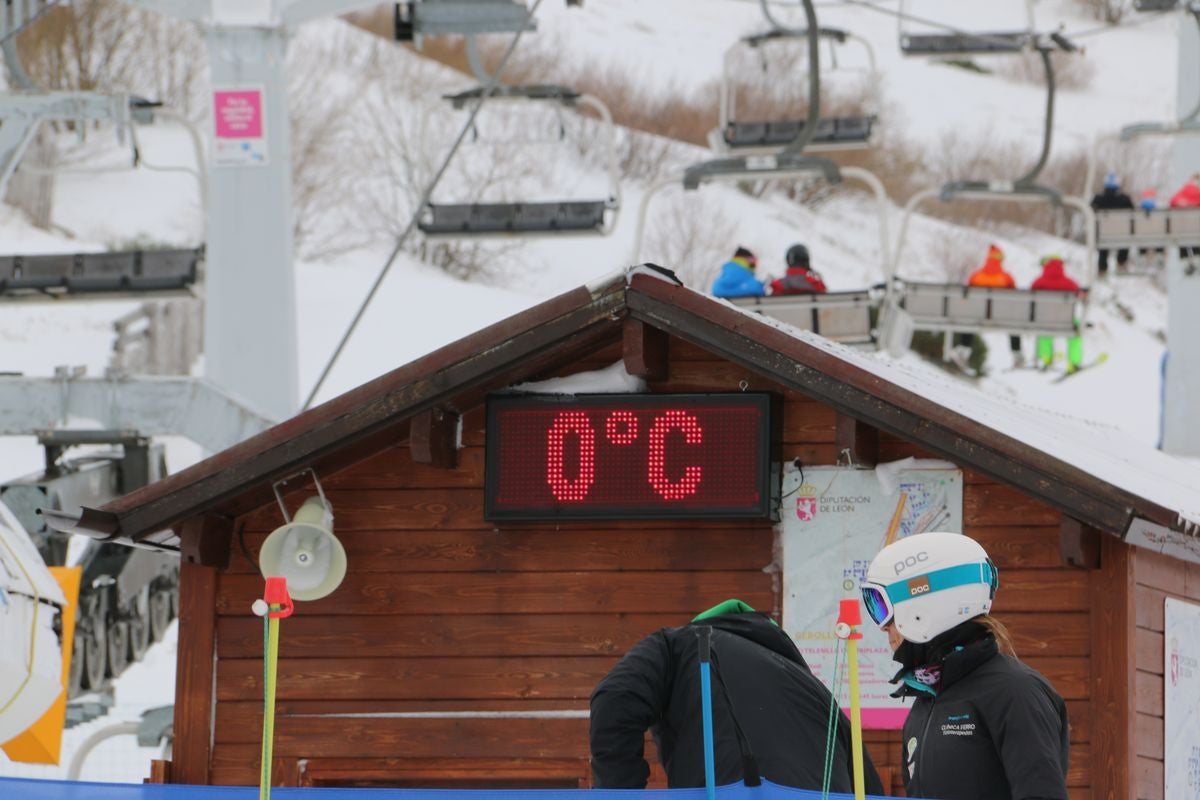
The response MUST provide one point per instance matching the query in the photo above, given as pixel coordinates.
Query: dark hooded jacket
(992, 729)
(760, 684)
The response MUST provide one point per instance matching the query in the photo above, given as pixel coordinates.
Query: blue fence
(27, 789)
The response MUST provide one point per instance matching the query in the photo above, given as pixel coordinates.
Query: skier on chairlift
(737, 277)
(1112, 198)
(991, 275)
(800, 278)
(1054, 278)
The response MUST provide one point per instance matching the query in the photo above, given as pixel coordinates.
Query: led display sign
(630, 456)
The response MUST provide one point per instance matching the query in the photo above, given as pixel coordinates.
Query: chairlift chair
(949, 42)
(530, 219)
(83, 276)
(844, 317)
(954, 308)
(735, 137)
(1160, 227)
(841, 316)
(414, 20)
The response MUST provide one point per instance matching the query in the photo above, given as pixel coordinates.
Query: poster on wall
(834, 520)
(1181, 698)
(239, 122)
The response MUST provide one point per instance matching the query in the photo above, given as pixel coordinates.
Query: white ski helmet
(928, 583)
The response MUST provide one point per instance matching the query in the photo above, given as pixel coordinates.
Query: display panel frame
(763, 441)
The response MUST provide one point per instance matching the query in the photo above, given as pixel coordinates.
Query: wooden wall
(442, 611)
(1158, 577)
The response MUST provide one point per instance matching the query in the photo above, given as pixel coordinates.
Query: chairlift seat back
(1141, 228)
(41, 271)
(962, 44)
(500, 218)
(163, 270)
(840, 316)
(1154, 5)
(101, 272)
(779, 133)
(953, 307)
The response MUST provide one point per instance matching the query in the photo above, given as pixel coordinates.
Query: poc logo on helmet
(919, 586)
(911, 561)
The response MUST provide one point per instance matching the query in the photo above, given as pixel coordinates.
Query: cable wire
(488, 90)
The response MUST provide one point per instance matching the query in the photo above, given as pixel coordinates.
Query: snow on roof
(1101, 450)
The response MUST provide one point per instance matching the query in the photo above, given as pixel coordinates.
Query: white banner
(1181, 698)
(834, 521)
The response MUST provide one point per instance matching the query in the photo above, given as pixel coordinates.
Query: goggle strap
(940, 579)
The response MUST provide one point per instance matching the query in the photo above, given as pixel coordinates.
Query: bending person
(770, 713)
(983, 725)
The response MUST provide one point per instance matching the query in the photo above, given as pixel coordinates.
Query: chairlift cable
(488, 90)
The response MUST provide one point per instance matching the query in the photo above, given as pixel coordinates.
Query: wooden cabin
(461, 650)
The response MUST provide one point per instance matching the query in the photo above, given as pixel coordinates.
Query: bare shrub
(107, 46)
(958, 253)
(691, 235)
(1110, 11)
(1071, 70)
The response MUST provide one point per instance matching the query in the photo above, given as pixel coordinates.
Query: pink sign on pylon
(239, 124)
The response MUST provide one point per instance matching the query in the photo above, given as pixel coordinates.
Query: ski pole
(710, 769)
(849, 618)
(275, 605)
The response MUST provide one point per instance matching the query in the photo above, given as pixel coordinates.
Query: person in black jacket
(1112, 198)
(770, 713)
(983, 725)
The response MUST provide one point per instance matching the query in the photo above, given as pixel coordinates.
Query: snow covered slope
(679, 43)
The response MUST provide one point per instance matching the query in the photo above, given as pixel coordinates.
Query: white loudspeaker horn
(306, 553)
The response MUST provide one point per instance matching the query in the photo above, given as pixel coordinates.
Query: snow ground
(420, 308)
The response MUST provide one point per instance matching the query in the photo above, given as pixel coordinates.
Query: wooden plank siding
(442, 611)
(1157, 578)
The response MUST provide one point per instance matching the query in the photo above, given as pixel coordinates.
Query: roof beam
(305, 439)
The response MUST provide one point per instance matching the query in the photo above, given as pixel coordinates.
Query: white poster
(834, 521)
(1181, 698)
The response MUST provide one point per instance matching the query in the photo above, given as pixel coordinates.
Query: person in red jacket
(991, 275)
(1188, 196)
(800, 278)
(1054, 278)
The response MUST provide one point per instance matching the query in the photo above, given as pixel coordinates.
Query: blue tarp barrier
(27, 789)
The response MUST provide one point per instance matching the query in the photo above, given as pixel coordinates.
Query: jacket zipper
(924, 734)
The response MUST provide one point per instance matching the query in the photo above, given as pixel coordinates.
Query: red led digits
(692, 434)
(575, 422)
(621, 427)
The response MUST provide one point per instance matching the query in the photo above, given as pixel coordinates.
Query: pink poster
(238, 118)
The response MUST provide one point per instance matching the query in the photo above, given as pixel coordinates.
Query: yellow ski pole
(275, 605)
(849, 618)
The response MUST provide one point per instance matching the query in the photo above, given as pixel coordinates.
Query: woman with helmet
(983, 725)
(800, 278)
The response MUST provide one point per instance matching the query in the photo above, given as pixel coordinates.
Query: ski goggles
(880, 600)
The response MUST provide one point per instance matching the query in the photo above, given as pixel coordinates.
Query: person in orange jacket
(1054, 278)
(991, 275)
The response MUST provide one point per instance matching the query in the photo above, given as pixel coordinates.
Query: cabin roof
(1102, 480)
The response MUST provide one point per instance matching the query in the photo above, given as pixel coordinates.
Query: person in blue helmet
(983, 726)
(1112, 198)
(737, 277)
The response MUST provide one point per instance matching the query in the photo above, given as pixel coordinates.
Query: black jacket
(996, 730)
(1112, 198)
(780, 706)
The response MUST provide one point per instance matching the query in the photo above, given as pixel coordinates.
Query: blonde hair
(1000, 631)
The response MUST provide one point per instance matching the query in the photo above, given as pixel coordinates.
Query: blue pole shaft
(710, 769)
